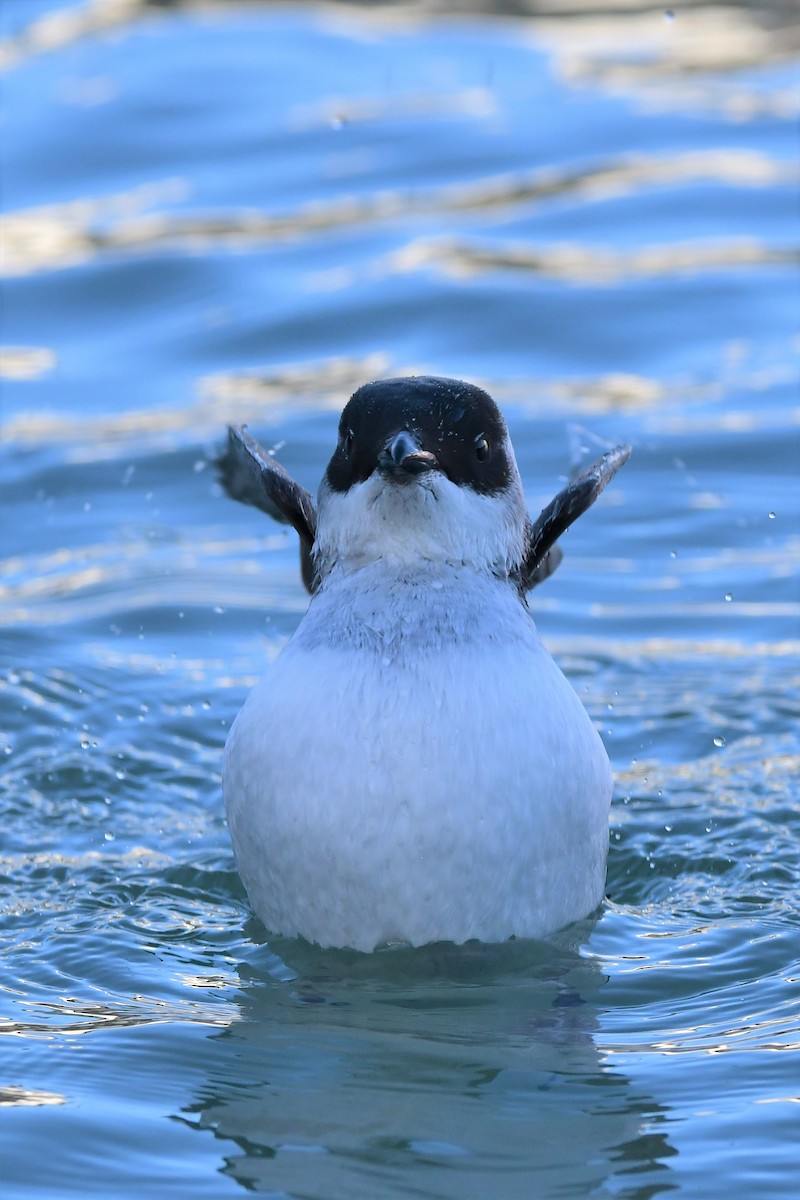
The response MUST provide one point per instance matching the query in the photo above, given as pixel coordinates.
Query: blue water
(242, 212)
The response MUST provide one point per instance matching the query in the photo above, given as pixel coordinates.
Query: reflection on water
(77, 232)
(220, 399)
(16, 1097)
(25, 362)
(468, 1061)
(592, 41)
(584, 264)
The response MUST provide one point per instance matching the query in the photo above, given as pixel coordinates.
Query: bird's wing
(252, 476)
(542, 554)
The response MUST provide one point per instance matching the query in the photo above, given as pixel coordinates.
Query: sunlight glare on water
(241, 212)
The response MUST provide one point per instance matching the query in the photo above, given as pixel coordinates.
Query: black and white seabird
(414, 767)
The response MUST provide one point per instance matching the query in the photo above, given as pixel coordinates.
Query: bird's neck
(390, 606)
(430, 524)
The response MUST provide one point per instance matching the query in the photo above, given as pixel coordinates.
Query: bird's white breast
(415, 767)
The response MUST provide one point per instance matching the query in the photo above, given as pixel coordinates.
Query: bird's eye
(481, 448)
(347, 442)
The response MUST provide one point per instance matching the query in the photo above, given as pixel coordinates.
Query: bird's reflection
(445, 1071)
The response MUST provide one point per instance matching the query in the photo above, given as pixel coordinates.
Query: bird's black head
(407, 427)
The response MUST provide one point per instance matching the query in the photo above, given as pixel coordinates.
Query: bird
(414, 767)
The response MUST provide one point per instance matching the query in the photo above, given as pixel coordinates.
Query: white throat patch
(425, 518)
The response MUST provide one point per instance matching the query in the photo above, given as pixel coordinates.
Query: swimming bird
(414, 767)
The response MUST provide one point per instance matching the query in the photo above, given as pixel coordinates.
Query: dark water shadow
(445, 1071)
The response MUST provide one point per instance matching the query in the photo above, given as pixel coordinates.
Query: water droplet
(728, 597)
(669, 14)
(771, 516)
(84, 743)
(668, 828)
(673, 553)
(108, 836)
(719, 741)
(218, 609)
(199, 466)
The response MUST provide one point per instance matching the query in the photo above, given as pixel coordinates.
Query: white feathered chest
(414, 767)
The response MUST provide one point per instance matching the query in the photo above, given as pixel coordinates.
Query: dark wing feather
(252, 476)
(543, 555)
(544, 568)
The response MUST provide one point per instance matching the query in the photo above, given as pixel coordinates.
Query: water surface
(242, 212)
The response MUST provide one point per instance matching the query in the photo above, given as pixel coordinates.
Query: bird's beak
(403, 455)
